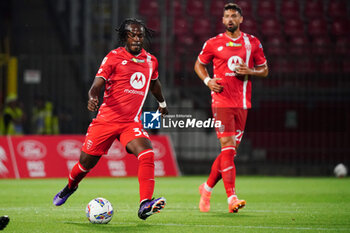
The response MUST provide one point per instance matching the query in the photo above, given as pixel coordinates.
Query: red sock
(228, 169)
(215, 174)
(77, 173)
(146, 174)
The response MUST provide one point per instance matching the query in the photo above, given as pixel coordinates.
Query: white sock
(207, 188)
(229, 199)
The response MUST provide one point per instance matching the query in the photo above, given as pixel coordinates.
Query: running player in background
(127, 73)
(236, 56)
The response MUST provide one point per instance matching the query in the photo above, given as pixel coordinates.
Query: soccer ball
(99, 210)
(340, 170)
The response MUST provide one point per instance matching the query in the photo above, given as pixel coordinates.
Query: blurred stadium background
(299, 124)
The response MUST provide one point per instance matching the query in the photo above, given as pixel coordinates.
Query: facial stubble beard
(232, 29)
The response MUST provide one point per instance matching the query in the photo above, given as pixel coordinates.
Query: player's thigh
(136, 146)
(135, 138)
(99, 138)
(240, 122)
(227, 119)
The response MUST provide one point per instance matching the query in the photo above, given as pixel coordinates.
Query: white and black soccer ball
(99, 210)
(340, 170)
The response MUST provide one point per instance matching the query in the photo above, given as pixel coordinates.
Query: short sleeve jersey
(127, 83)
(226, 53)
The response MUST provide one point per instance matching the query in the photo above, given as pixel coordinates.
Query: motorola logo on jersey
(233, 62)
(138, 80)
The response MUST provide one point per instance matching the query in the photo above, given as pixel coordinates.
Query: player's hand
(93, 104)
(163, 111)
(243, 69)
(214, 85)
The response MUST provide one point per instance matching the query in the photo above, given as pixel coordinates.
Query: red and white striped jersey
(226, 53)
(127, 79)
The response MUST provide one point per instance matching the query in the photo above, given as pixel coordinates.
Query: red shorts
(232, 122)
(100, 135)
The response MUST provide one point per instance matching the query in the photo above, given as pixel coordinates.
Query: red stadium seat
(249, 26)
(154, 24)
(217, 7)
(270, 27)
(219, 26)
(337, 9)
(346, 66)
(148, 7)
(276, 46)
(299, 45)
(282, 66)
(176, 7)
(183, 43)
(317, 27)
(246, 7)
(342, 45)
(180, 26)
(340, 27)
(290, 9)
(322, 46)
(195, 8)
(155, 47)
(329, 67)
(201, 27)
(313, 9)
(306, 65)
(266, 9)
(293, 27)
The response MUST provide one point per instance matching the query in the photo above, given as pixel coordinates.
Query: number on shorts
(139, 132)
(239, 135)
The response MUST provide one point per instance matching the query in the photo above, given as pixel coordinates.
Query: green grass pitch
(274, 204)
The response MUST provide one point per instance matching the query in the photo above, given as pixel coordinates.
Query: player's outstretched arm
(203, 74)
(94, 93)
(156, 89)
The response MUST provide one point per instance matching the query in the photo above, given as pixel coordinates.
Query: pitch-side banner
(54, 156)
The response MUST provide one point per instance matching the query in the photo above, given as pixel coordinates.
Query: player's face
(232, 19)
(134, 39)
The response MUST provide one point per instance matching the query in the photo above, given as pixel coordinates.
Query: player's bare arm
(203, 74)
(94, 93)
(156, 89)
(259, 71)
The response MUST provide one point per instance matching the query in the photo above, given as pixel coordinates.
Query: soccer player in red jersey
(236, 56)
(127, 73)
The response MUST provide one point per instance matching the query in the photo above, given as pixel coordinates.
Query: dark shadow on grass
(137, 227)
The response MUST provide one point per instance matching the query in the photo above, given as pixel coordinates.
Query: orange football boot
(204, 202)
(235, 205)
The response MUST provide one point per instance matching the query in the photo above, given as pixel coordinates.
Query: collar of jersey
(233, 38)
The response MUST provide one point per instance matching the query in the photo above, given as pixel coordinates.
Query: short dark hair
(233, 6)
(122, 31)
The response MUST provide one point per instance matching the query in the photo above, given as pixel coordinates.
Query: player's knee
(227, 141)
(88, 161)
